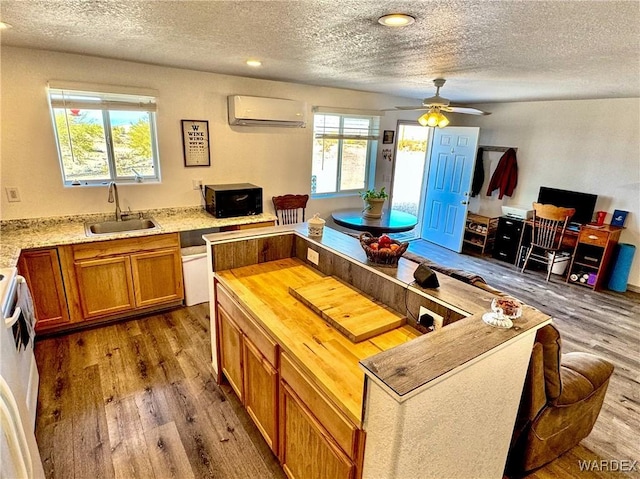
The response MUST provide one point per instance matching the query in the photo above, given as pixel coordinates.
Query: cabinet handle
(593, 237)
(502, 254)
(508, 223)
(506, 237)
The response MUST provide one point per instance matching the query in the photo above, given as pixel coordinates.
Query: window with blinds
(104, 134)
(344, 148)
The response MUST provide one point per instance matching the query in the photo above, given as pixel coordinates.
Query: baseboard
(634, 288)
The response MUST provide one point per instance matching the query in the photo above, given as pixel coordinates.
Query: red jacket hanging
(505, 177)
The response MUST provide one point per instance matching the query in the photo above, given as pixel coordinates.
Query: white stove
(7, 280)
(19, 456)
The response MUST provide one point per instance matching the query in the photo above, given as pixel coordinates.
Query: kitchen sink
(111, 227)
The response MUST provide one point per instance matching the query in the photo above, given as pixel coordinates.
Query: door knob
(464, 202)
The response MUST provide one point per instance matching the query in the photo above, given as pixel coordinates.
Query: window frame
(371, 154)
(111, 99)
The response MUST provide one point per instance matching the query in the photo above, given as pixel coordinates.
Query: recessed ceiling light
(396, 20)
(254, 63)
(4, 26)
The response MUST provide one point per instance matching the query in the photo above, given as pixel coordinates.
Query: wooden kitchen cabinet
(247, 359)
(105, 286)
(41, 269)
(230, 338)
(157, 277)
(261, 392)
(115, 278)
(307, 450)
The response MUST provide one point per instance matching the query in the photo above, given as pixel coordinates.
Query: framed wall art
(387, 137)
(195, 142)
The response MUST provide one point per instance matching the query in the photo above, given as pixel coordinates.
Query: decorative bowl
(504, 311)
(506, 307)
(385, 255)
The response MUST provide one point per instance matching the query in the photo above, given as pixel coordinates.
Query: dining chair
(547, 232)
(289, 208)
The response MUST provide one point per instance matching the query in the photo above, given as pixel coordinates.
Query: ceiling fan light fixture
(444, 121)
(423, 120)
(396, 20)
(433, 118)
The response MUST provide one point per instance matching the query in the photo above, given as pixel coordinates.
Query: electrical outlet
(196, 184)
(313, 256)
(13, 194)
(438, 321)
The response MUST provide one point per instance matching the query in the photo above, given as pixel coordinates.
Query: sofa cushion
(581, 374)
(549, 337)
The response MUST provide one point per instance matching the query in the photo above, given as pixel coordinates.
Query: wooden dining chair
(290, 208)
(547, 232)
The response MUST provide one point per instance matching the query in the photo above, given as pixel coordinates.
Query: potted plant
(373, 202)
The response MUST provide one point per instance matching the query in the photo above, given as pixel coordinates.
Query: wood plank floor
(137, 399)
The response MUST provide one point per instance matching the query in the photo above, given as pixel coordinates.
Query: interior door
(453, 155)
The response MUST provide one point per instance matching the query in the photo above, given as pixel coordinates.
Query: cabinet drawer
(342, 430)
(101, 249)
(509, 226)
(594, 237)
(258, 337)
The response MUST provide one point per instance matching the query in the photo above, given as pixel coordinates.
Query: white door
(453, 155)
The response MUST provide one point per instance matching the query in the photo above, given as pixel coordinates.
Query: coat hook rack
(497, 148)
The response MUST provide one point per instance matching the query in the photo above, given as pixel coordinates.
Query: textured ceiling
(489, 51)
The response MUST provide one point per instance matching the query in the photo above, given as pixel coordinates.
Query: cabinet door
(231, 352)
(157, 277)
(105, 286)
(261, 392)
(306, 449)
(41, 269)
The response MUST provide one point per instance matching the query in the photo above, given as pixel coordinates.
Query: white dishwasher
(194, 271)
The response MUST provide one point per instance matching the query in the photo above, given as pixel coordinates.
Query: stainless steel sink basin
(111, 227)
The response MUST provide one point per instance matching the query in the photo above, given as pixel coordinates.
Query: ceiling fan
(436, 104)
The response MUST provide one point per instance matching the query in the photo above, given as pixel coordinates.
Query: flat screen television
(584, 203)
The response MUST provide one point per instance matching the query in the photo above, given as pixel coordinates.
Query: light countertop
(17, 235)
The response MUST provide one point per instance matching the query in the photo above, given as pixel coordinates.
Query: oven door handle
(8, 322)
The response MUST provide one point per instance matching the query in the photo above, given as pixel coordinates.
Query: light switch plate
(13, 194)
(313, 256)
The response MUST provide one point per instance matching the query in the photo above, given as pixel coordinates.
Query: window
(104, 136)
(344, 149)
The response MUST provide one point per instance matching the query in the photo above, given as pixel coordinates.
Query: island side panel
(459, 426)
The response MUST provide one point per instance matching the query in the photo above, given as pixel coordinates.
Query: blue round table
(392, 221)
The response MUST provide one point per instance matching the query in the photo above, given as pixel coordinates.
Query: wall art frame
(195, 143)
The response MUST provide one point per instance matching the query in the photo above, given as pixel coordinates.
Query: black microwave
(238, 199)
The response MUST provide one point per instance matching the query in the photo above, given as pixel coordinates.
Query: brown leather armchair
(562, 398)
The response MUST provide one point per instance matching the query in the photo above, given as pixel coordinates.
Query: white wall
(278, 159)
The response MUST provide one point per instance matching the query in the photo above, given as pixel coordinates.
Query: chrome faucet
(113, 193)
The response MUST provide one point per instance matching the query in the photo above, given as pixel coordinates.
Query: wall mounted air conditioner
(259, 111)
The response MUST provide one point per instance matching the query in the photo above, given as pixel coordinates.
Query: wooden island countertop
(329, 358)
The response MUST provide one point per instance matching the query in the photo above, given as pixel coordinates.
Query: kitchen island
(399, 404)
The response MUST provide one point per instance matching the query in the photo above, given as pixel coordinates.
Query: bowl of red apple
(382, 249)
